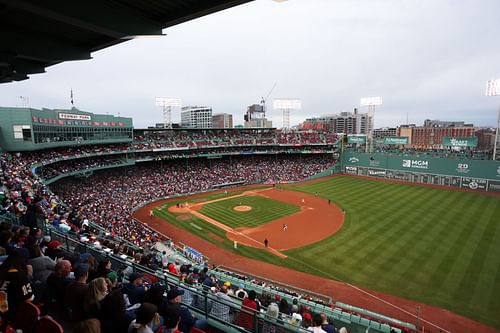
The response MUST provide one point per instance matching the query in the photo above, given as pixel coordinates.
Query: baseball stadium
(240, 229)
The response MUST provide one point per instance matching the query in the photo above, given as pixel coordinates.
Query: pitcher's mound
(242, 208)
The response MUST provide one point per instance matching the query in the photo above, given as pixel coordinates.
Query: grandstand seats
(26, 317)
(48, 325)
(106, 240)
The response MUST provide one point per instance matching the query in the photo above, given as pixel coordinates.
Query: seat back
(27, 315)
(196, 330)
(48, 325)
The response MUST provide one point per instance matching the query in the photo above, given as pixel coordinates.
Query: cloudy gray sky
(426, 58)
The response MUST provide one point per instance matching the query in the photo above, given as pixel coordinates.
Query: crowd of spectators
(107, 197)
(233, 137)
(81, 164)
(94, 291)
(84, 292)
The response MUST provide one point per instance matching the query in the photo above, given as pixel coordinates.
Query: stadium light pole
(167, 103)
(493, 89)
(371, 103)
(286, 105)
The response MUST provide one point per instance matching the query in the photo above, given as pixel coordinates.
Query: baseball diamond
(406, 236)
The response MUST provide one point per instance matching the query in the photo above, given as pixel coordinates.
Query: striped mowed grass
(437, 246)
(263, 211)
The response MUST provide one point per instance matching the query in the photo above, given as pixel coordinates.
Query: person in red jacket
(248, 309)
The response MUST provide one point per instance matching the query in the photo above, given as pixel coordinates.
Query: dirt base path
(386, 304)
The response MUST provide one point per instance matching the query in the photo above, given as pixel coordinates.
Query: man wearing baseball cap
(134, 289)
(174, 309)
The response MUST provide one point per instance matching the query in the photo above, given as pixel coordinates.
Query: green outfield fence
(478, 175)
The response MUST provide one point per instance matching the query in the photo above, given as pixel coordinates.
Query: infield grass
(435, 246)
(263, 211)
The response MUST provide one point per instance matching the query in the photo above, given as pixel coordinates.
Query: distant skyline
(426, 59)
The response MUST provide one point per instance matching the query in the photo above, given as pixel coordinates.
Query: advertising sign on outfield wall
(449, 141)
(493, 186)
(351, 169)
(358, 139)
(483, 169)
(376, 173)
(396, 140)
(474, 183)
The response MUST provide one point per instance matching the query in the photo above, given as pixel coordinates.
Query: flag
(72, 103)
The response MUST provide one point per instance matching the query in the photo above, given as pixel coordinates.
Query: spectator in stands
(54, 250)
(307, 319)
(104, 268)
(76, 291)
(42, 265)
(272, 317)
(134, 289)
(146, 314)
(88, 326)
(283, 306)
(189, 291)
(95, 293)
(113, 316)
(296, 320)
(59, 281)
(316, 324)
(248, 309)
(174, 310)
(220, 307)
(295, 305)
(14, 285)
(241, 289)
(155, 295)
(325, 325)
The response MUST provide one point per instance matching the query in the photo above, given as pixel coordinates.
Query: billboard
(449, 141)
(358, 139)
(396, 140)
(474, 183)
(485, 169)
(493, 186)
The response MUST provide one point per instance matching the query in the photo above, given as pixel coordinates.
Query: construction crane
(263, 100)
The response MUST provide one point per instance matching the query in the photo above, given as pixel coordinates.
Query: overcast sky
(426, 58)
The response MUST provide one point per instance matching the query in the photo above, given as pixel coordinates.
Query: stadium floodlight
(167, 103)
(371, 103)
(493, 89)
(287, 104)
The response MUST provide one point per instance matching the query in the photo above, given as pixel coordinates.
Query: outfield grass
(435, 246)
(263, 211)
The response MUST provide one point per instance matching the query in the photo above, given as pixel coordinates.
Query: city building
(344, 122)
(196, 117)
(380, 133)
(440, 123)
(486, 139)
(255, 117)
(23, 129)
(222, 120)
(432, 137)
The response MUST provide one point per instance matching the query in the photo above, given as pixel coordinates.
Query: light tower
(287, 104)
(371, 103)
(493, 89)
(167, 103)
